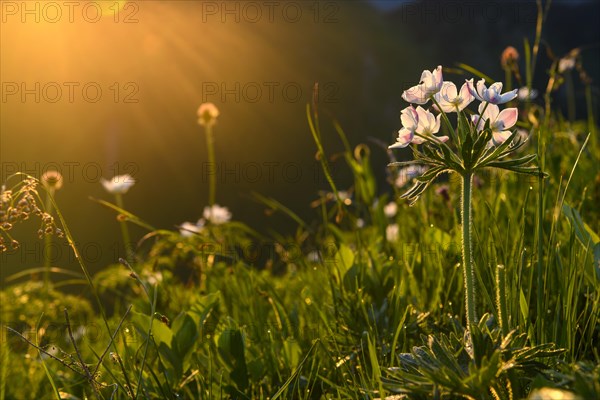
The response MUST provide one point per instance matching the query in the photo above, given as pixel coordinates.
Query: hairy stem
(467, 252)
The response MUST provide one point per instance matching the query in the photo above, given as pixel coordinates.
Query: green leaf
(584, 233)
(524, 306)
(292, 352)
(185, 332)
(481, 144)
(467, 150)
(161, 333)
(174, 363)
(206, 313)
(498, 152)
(231, 348)
(344, 258)
(475, 72)
(597, 260)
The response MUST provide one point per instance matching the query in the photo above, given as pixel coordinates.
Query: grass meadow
(472, 273)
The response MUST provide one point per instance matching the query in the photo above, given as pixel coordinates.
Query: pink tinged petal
(405, 136)
(426, 78)
(508, 117)
(431, 119)
(418, 140)
(481, 107)
(491, 112)
(496, 87)
(481, 92)
(436, 126)
(448, 91)
(500, 137)
(442, 99)
(478, 122)
(437, 77)
(443, 139)
(471, 87)
(421, 113)
(425, 120)
(415, 95)
(448, 107)
(465, 96)
(409, 118)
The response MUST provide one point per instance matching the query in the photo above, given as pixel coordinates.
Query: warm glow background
(163, 53)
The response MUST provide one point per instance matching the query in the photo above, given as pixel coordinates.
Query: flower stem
(212, 182)
(446, 120)
(590, 114)
(467, 252)
(508, 78)
(48, 242)
(124, 230)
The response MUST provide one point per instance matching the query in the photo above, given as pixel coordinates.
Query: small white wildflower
(431, 83)
(314, 256)
(392, 232)
(390, 209)
(525, 94)
(119, 184)
(216, 214)
(188, 229)
(451, 100)
(493, 94)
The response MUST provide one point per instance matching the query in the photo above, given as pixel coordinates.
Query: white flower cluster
(420, 125)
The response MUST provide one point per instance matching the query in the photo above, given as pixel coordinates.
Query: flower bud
(52, 180)
(207, 114)
(509, 56)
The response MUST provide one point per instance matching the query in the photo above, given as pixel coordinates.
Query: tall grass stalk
(87, 275)
(212, 176)
(129, 253)
(48, 241)
(590, 115)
